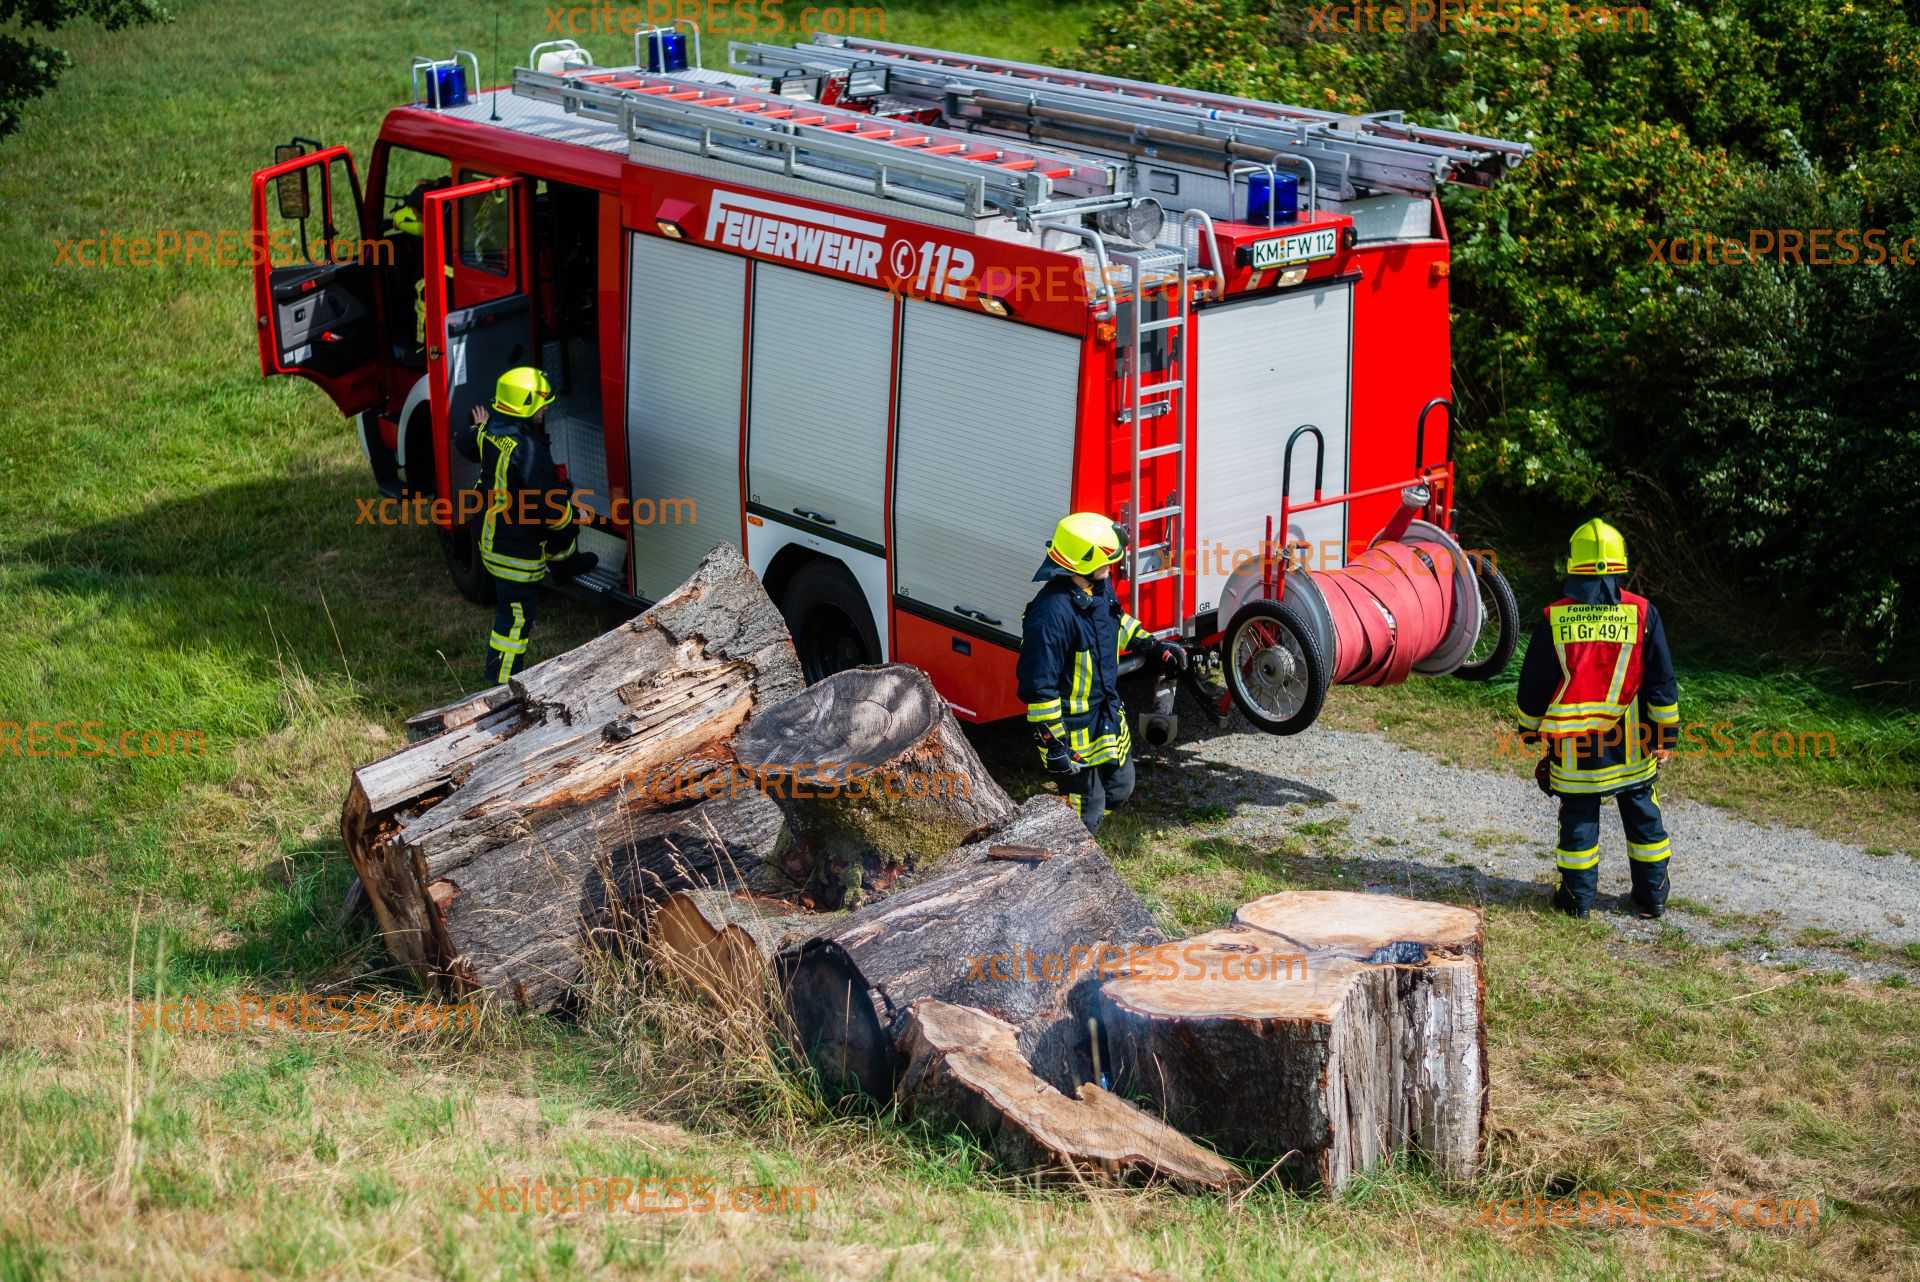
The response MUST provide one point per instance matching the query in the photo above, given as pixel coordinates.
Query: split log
(1013, 938)
(875, 776)
(1327, 1029)
(964, 1068)
(721, 944)
(492, 850)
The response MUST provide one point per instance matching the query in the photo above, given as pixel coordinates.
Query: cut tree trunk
(547, 809)
(1327, 1029)
(875, 776)
(721, 944)
(964, 1067)
(1014, 938)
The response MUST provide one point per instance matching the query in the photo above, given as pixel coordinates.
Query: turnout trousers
(1098, 789)
(513, 610)
(1648, 848)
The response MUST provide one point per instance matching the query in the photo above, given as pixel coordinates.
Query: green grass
(178, 551)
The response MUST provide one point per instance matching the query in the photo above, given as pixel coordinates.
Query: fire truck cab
(880, 315)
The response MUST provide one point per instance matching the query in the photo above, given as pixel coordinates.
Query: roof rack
(950, 170)
(1350, 156)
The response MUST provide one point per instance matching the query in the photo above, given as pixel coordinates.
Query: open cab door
(311, 286)
(480, 324)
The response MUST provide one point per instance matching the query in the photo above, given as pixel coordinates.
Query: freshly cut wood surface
(492, 851)
(964, 1067)
(1327, 1029)
(722, 943)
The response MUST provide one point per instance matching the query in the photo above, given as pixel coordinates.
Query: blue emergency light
(1281, 192)
(447, 86)
(666, 51)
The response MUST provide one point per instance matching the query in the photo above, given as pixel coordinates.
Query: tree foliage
(30, 67)
(1772, 403)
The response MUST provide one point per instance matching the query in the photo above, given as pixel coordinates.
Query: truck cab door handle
(818, 518)
(980, 616)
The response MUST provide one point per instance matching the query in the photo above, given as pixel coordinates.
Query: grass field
(179, 553)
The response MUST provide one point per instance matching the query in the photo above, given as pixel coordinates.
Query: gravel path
(1412, 820)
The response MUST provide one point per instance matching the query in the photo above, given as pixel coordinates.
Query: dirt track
(1411, 821)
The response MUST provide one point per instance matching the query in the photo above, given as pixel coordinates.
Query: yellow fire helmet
(1597, 548)
(522, 393)
(1085, 541)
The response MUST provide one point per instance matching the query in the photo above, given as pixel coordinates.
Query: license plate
(1290, 251)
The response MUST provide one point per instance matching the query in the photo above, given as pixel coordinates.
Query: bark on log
(1381, 1046)
(995, 934)
(491, 851)
(964, 1067)
(875, 776)
(721, 944)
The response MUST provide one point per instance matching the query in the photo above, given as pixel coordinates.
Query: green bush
(1590, 371)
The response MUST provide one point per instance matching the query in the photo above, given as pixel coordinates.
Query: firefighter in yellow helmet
(1597, 687)
(526, 529)
(1072, 636)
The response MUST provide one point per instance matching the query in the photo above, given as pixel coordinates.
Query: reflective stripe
(511, 572)
(1577, 859)
(1079, 698)
(1046, 710)
(1620, 662)
(1652, 854)
(1529, 722)
(1663, 713)
(506, 645)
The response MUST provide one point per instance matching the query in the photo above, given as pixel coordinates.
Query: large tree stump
(875, 776)
(1011, 937)
(1379, 1046)
(492, 850)
(964, 1067)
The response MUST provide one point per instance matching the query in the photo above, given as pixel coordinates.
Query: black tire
(1497, 606)
(461, 545)
(1263, 626)
(828, 616)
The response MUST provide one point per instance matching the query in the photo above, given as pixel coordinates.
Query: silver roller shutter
(822, 381)
(1267, 366)
(988, 414)
(684, 318)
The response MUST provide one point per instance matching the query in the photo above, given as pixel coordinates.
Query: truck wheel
(1499, 628)
(462, 548)
(1276, 669)
(827, 614)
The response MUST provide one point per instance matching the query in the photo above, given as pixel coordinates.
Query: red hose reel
(1414, 601)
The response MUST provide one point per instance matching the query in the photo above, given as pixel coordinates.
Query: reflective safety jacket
(1598, 685)
(528, 520)
(1070, 647)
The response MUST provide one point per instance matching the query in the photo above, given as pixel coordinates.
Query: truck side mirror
(291, 189)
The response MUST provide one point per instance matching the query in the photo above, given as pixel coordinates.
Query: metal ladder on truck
(1161, 266)
(949, 170)
(1345, 156)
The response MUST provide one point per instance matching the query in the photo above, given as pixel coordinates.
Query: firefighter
(527, 527)
(1597, 688)
(1073, 634)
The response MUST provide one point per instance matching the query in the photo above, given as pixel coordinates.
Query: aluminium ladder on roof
(1351, 153)
(945, 169)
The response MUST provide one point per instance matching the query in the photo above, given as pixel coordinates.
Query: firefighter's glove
(1058, 758)
(1543, 775)
(1173, 655)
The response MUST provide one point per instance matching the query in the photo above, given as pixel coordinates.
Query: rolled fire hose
(1410, 603)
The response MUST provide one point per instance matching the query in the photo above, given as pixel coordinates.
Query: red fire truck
(881, 314)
